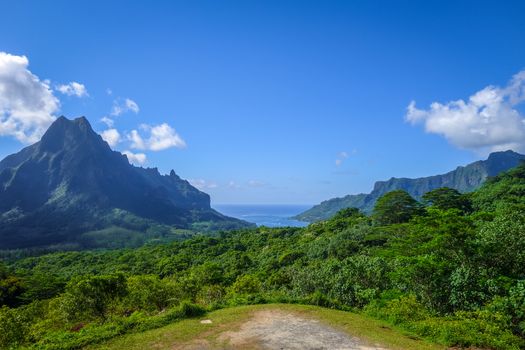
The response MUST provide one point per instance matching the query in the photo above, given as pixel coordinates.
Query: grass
(191, 330)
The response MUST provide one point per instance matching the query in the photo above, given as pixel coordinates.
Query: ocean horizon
(269, 215)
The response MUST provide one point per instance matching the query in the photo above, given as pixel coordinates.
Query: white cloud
(488, 121)
(73, 89)
(160, 137)
(164, 136)
(135, 158)
(27, 104)
(131, 105)
(127, 105)
(109, 91)
(202, 184)
(111, 136)
(136, 140)
(338, 162)
(108, 121)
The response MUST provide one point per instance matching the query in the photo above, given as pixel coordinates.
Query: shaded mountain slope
(71, 182)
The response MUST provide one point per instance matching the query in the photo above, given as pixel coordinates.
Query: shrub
(246, 284)
(14, 327)
(467, 330)
(403, 310)
(91, 297)
(149, 293)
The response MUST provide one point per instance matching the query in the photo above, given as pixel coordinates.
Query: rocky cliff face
(463, 178)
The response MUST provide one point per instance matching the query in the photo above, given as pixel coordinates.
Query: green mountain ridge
(71, 183)
(463, 178)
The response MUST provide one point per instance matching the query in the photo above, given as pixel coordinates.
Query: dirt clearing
(276, 329)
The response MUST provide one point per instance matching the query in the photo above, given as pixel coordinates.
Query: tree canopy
(395, 207)
(447, 198)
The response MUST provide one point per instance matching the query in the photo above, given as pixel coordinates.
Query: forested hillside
(448, 268)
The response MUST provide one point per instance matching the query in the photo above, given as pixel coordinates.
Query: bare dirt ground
(276, 329)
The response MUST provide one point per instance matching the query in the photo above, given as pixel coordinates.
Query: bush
(467, 330)
(485, 328)
(319, 299)
(246, 284)
(95, 333)
(149, 293)
(91, 297)
(404, 310)
(211, 296)
(14, 327)
(188, 309)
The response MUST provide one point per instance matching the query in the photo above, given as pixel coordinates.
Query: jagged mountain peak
(71, 181)
(66, 134)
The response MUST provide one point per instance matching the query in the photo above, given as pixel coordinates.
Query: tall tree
(395, 207)
(445, 198)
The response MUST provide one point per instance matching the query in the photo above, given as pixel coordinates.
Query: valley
(447, 270)
(266, 175)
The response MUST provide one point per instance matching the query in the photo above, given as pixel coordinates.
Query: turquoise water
(265, 215)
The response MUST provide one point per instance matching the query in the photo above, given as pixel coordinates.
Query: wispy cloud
(487, 121)
(202, 184)
(256, 183)
(108, 121)
(233, 185)
(121, 107)
(341, 156)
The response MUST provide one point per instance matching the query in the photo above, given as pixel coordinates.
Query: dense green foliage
(395, 207)
(446, 198)
(451, 275)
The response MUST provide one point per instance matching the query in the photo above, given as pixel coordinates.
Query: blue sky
(273, 101)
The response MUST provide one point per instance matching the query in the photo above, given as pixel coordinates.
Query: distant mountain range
(71, 188)
(463, 178)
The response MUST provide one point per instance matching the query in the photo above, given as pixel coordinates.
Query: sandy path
(276, 329)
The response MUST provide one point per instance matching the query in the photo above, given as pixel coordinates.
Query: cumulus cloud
(158, 138)
(202, 184)
(73, 89)
(120, 107)
(135, 158)
(487, 121)
(111, 136)
(27, 104)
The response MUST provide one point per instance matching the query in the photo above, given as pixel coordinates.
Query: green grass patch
(191, 330)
